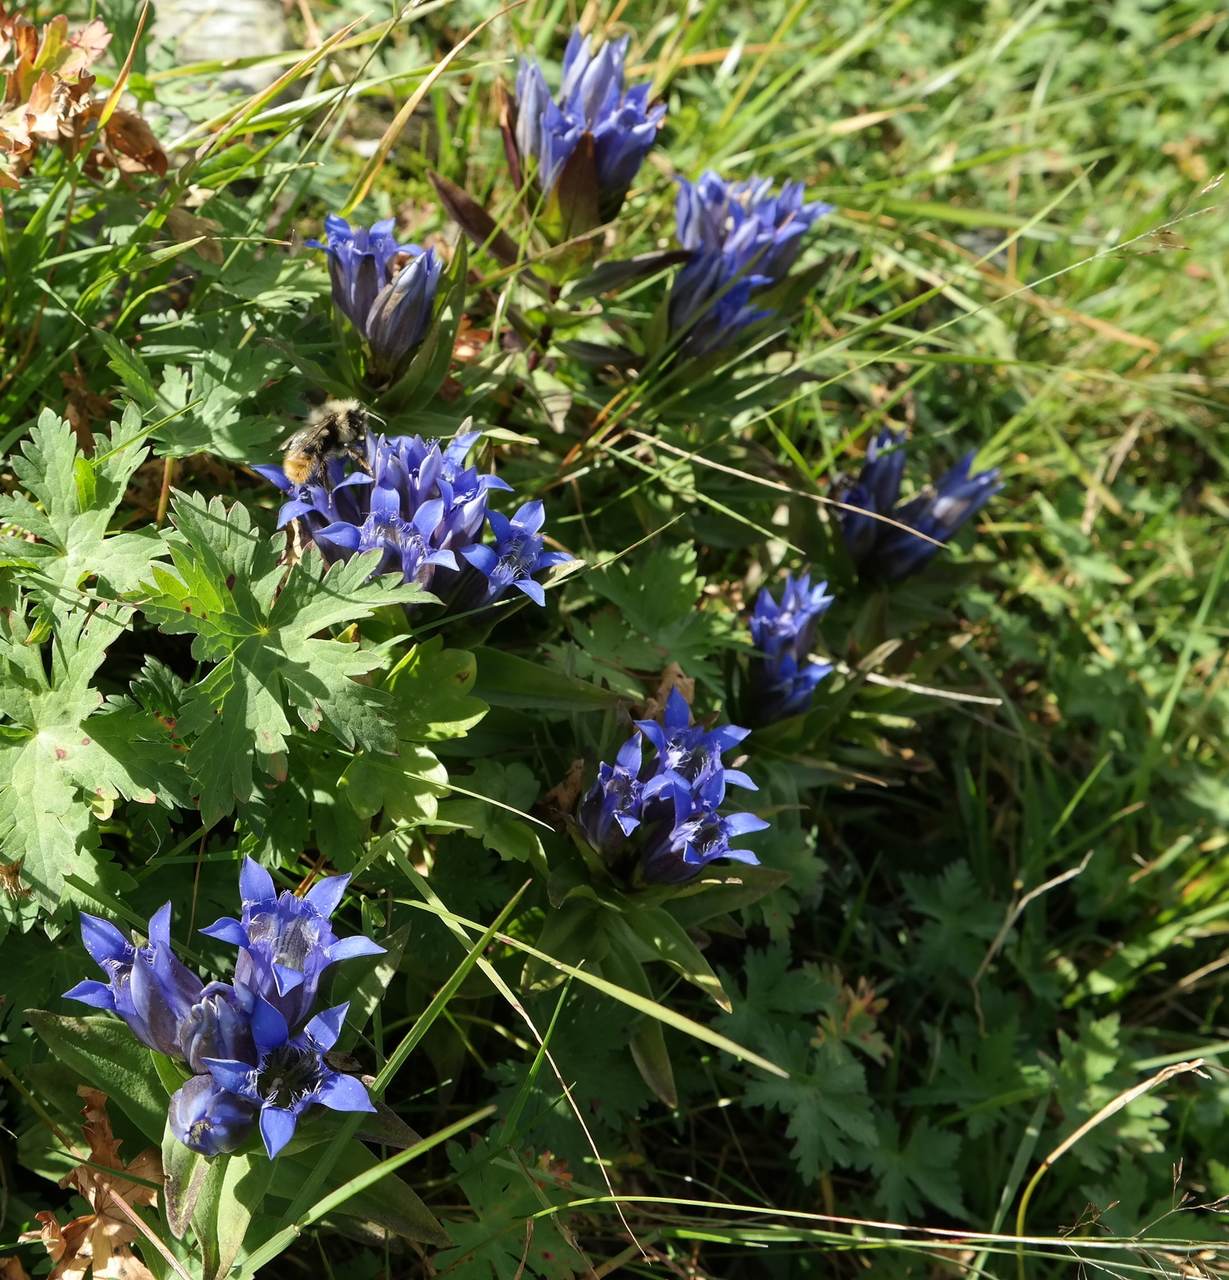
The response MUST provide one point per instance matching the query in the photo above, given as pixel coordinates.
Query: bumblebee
(336, 428)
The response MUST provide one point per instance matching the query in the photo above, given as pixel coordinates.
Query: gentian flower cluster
(660, 819)
(784, 676)
(885, 551)
(425, 510)
(254, 1045)
(385, 289)
(595, 121)
(742, 240)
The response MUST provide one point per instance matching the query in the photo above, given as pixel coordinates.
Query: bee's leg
(358, 458)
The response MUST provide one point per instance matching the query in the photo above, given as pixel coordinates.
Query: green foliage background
(1006, 887)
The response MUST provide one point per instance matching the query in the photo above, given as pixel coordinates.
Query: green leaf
(572, 933)
(501, 831)
(66, 753)
(663, 938)
(76, 499)
(503, 1193)
(505, 680)
(104, 1053)
(825, 1098)
(245, 1179)
(406, 787)
(430, 689)
(656, 617)
(207, 396)
(184, 1172)
(922, 1171)
(270, 659)
(388, 1202)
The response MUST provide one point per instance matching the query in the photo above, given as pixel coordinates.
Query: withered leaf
(133, 143)
(98, 1242)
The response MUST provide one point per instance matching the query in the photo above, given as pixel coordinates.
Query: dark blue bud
(208, 1119)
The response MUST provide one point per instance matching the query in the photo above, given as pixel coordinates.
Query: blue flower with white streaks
(610, 809)
(784, 676)
(690, 752)
(250, 1065)
(285, 942)
(385, 289)
(742, 239)
(148, 986)
(885, 551)
(658, 821)
(287, 1074)
(696, 835)
(518, 554)
(593, 104)
(419, 504)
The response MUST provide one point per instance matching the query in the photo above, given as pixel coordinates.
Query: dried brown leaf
(190, 226)
(133, 145)
(98, 1242)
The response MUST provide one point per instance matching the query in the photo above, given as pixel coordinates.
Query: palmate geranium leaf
(66, 753)
(825, 1098)
(915, 1173)
(260, 625)
(67, 504)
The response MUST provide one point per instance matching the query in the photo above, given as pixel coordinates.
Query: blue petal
(276, 1128)
(340, 1092)
(102, 939)
(227, 929)
(532, 589)
(286, 979)
(255, 883)
(232, 1075)
(352, 948)
(269, 1029)
(325, 895)
(93, 993)
(275, 475)
(160, 926)
(326, 1026)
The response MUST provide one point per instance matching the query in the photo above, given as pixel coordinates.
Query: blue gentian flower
(237, 1038)
(592, 103)
(517, 555)
(742, 239)
(287, 1073)
(425, 510)
(417, 502)
(690, 752)
(285, 942)
(385, 289)
(696, 835)
(146, 985)
(784, 676)
(885, 551)
(659, 821)
(208, 1119)
(610, 809)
